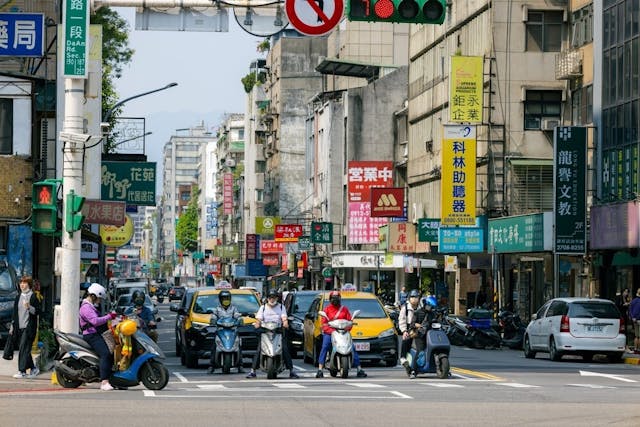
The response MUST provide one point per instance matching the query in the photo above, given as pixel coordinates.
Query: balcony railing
(569, 64)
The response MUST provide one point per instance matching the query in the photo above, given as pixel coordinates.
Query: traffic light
(73, 214)
(399, 11)
(44, 207)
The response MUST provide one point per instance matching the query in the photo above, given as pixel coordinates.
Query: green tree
(116, 53)
(187, 227)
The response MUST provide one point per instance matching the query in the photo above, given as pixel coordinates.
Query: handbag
(109, 340)
(9, 347)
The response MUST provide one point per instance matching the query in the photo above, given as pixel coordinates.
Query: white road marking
(366, 385)
(443, 385)
(288, 385)
(299, 368)
(518, 385)
(211, 386)
(611, 376)
(596, 386)
(181, 377)
(149, 393)
(401, 395)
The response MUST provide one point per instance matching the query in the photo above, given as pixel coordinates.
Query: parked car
(9, 289)
(178, 308)
(374, 335)
(197, 335)
(297, 304)
(176, 292)
(583, 326)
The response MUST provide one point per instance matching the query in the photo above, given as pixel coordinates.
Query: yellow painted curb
(632, 360)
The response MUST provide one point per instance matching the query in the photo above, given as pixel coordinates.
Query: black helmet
(225, 298)
(334, 297)
(414, 293)
(138, 298)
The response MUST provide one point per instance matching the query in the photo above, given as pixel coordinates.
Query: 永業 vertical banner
(466, 89)
(570, 171)
(458, 193)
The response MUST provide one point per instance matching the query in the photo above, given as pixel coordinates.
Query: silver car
(583, 326)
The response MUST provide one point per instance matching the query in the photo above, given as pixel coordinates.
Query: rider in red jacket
(335, 311)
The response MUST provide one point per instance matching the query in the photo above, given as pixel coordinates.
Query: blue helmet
(430, 301)
(414, 293)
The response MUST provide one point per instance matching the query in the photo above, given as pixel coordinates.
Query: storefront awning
(624, 258)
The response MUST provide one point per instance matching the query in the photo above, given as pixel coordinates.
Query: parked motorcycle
(512, 329)
(271, 360)
(340, 358)
(227, 344)
(138, 359)
(435, 357)
(456, 330)
(482, 335)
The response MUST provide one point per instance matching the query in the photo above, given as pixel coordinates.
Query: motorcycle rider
(92, 326)
(222, 311)
(335, 310)
(144, 313)
(272, 311)
(409, 324)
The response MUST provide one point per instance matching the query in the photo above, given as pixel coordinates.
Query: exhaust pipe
(67, 370)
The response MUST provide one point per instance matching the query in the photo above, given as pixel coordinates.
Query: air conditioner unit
(549, 124)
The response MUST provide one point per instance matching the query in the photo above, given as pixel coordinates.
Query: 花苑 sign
(131, 182)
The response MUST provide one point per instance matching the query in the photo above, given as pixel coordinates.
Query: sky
(207, 66)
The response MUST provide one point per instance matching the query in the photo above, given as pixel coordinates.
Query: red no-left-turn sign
(314, 17)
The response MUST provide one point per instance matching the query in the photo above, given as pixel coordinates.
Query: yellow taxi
(197, 336)
(374, 336)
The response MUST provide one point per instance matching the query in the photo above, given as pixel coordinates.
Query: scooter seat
(76, 339)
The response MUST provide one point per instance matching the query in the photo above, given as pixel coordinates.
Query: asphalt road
(487, 387)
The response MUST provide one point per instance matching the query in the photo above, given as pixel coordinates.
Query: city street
(494, 387)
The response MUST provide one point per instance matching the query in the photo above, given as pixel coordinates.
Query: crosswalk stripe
(444, 385)
(288, 385)
(211, 386)
(596, 386)
(366, 385)
(518, 385)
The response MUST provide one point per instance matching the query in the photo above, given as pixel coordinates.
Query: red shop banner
(387, 202)
(270, 259)
(287, 232)
(365, 175)
(271, 247)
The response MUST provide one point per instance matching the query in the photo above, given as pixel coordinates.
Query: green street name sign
(428, 229)
(130, 182)
(76, 36)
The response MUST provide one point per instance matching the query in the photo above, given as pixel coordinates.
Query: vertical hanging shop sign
(76, 34)
(465, 102)
(569, 179)
(458, 175)
(227, 193)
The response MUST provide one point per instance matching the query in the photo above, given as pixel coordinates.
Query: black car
(124, 302)
(176, 293)
(181, 308)
(9, 289)
(297, 304)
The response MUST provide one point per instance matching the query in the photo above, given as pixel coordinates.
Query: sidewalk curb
(632, 360)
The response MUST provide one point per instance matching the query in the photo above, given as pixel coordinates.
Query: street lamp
(107, 116)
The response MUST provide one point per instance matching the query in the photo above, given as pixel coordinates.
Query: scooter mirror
(355, 314)
(323, 314)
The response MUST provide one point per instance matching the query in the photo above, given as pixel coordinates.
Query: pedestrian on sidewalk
(634, 313)
(26, 311)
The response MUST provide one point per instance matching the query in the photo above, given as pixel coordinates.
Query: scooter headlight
(387, 333)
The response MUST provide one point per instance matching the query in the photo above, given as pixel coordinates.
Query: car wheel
(391, 362)
(191, 360)
(178, 347)
(554, 354)
(587, 357)
(615, 357)
(528, 353)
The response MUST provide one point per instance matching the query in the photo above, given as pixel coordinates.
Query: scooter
(340, 359)
(482, 335)
(228, 344)
(435, 357)
(138, 360)
(512, 329)
(271, 360)
(457, 330)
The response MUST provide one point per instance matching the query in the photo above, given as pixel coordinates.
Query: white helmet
(97, 290)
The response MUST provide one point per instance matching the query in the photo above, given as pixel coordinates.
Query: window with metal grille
(6, 126)
(531, 186)
(542, 109)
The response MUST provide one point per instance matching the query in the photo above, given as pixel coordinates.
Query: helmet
(137, 298)
(273, 293)
(97, 290)
(414, 293)
(127, 327)
(225, 298)
(430, 301)
(334, 297)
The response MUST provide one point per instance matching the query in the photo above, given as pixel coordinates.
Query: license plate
(594, 328)
(362, 346)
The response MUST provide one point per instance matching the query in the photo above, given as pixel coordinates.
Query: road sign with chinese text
(76, 35)
(321, 232)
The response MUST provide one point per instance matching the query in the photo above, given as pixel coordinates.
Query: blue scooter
(228, 344)
(435, 357)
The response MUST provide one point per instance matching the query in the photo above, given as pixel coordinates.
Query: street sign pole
(76, 26)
